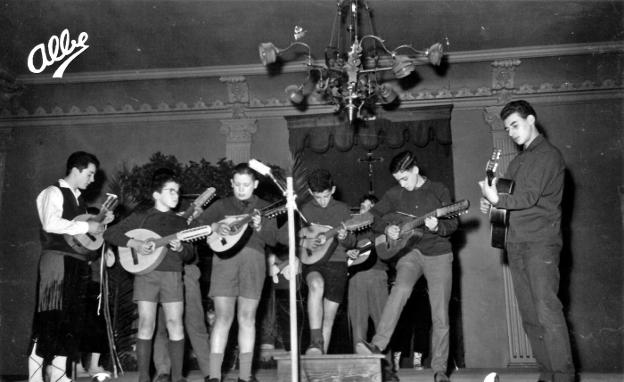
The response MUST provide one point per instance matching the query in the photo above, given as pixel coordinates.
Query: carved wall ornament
(238, 88)
(503, 74)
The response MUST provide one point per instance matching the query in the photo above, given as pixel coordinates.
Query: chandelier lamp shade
(352, 75)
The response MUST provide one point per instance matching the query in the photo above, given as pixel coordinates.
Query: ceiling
(138, 35)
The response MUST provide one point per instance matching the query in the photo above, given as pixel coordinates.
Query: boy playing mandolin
(238, 273)
(327, 277)
(164, 283)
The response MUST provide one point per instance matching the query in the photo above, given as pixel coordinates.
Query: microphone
(259, 167)
(265, 170)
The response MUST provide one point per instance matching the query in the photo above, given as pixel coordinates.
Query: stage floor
(408, 375)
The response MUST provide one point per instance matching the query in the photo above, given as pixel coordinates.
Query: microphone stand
(291, 206)
(292, 286)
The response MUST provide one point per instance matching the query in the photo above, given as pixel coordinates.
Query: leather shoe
(440, 377)
(367, 348)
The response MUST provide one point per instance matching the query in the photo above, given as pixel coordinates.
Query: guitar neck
(490, 176)
(412, 224)
(106, 206)
(161, 242)
(235, 226)
(189, 211)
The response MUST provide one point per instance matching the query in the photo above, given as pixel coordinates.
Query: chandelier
(352, 76)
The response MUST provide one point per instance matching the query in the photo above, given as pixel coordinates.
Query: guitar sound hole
(91, 237)
(223, 241)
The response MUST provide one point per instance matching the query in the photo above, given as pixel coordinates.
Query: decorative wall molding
(293, 67)
(270, 107)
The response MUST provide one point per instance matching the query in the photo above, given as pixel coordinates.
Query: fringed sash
(51, 275)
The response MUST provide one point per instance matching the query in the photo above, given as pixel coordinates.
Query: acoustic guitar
(240, 232)
(136, 263)
(312, 255)
(499, 217)
(410, 233)
(89, 242)
(196, 207)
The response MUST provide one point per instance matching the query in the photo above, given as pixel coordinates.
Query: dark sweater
(535, 205)
(333, 215)
(419, 202)
(161, 223)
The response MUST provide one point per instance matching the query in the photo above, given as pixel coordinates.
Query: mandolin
(141, 264)
(229, 245)
(313, 255)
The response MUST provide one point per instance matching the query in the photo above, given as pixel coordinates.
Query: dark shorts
(334, 275)
(242, 275)
(158, 286)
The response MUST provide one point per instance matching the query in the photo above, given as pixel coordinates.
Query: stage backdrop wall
(578, 100)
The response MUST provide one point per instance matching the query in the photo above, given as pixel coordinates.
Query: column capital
(239, 133)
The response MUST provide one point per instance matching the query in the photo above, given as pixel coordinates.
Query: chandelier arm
(292, 44)
(375, 70)
(380, 40)
(420, 52)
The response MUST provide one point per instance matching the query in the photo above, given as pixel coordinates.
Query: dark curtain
(359, 156)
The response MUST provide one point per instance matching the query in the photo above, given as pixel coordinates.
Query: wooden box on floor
(332, 368)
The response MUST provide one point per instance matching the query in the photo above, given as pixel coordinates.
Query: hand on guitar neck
(98, 227)
(93, 238)
(225, 228)
(318, 240)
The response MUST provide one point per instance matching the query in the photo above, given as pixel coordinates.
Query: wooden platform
(406, 375)
(331, 367)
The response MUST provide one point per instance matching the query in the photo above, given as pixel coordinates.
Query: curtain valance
(321, 132)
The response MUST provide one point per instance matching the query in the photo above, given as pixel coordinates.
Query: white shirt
(50, 208)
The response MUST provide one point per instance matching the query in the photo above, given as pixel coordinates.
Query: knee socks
(244, 366)
(144, 357)
(216, 362)
(316, 338)
(176, 354)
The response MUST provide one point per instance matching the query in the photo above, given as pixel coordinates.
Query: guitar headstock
(205, 197)
(194, 233)
(453, 210)
(274, 212)
(359, 221)
(110, 202)
(492, 164)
